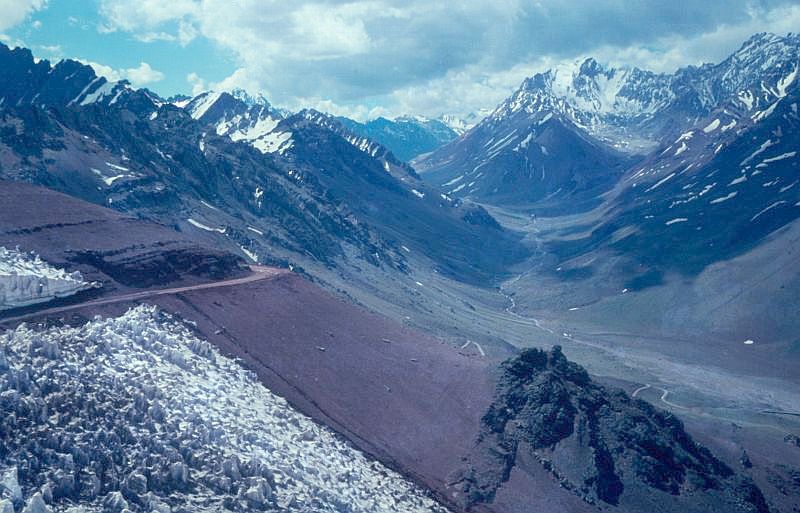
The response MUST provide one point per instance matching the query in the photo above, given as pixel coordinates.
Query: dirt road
(258, 273)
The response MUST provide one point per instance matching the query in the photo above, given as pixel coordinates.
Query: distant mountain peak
(250, 100)
(406, 136)
(565, 130)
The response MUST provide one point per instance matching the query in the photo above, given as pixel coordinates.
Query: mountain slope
(406, 137)
(622, 114)
(232, 171)
(376, 186)
(136, 413)
(514, 157)
(714, 192)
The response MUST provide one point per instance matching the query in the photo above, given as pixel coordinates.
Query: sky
(369, 58)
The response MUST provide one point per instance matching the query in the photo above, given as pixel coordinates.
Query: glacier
(138, 413)
(26, 279)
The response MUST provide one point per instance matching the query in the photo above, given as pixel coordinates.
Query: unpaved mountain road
(259, 273)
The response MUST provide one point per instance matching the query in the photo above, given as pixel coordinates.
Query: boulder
(259, 493)
(134, 486)
(179, 473)
(9, 485)
(36, 504)
(115, 503)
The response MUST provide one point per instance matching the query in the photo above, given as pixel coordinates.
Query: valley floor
(729, 370)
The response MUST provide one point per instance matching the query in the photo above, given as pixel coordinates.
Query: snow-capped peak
(241, 117)
(594, 89)
(250, 100)
(618, 104)
(462, 125)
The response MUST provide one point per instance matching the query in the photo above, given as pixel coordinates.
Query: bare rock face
(601, 444)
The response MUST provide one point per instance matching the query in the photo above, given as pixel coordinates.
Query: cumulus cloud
(142, 75)
(13, 12)
(197, 84)
(432, 57)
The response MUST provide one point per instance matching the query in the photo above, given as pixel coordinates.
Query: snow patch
(26, 279)
(198, 224)
(724, 198)
(766, 144)
(118, 168)
(274, 142)
(746, 98)
(737, 181)
(661, 182)
(774, 205)
(785, 82)
(101, 92)
(252, 256)
(763, 114)
(712, 126)
(108, 180)
(206, 103)
(783, 156)
(676, 220)
(454, 181)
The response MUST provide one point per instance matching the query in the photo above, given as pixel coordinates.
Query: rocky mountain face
(614, 117)
(407, 137)
(232, 169)
(715, 192)
(376, 186)
(602, 445)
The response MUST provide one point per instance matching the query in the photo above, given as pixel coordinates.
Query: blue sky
(365, 58)
(74, 29)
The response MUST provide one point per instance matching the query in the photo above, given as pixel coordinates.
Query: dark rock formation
(599, 443)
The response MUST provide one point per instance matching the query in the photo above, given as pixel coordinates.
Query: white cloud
(144, 74)
(144, 14)
(140, 76)
(418, 56)
(198, 84)
(14, 12)
(667, 54)
(52, 51)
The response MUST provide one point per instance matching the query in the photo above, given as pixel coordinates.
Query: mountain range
(402, 283)
(573, 131)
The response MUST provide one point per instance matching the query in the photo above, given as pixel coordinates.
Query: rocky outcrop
(601, 444)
